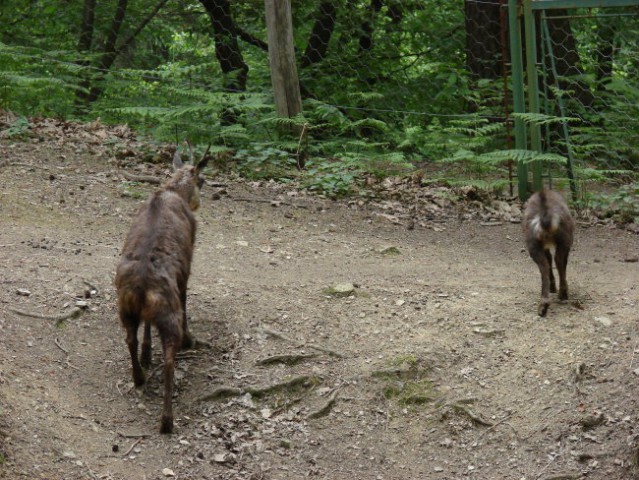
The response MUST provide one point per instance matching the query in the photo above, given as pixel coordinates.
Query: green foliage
(265, 162)
(622, 205)
(392, 90)
(18, 129)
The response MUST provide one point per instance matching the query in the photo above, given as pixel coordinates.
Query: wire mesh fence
(388, 85)
(590, 74)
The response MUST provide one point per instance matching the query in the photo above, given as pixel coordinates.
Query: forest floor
(436, 367)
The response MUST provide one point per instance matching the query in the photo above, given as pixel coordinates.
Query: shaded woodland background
(389, 87)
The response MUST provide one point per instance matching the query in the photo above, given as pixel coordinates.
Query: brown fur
(153, 274)
(547, 224)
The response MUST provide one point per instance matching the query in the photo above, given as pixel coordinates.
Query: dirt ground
(436, 368)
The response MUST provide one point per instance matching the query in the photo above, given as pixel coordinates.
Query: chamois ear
(177, 160)
(204, 160)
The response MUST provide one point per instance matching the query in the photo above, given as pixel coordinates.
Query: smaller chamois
(153, 273)
(548, 224)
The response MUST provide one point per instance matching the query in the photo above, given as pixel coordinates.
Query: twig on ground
(132, 446)
(57, 342)
(134, 435)
(91, 286)
(300, 161)
(142, 178)
(68, 363)
(275, 203)
(495, 425)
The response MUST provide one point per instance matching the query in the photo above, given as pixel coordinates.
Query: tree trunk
(483, 44)
(321, 33)
(366, 39)
(86, 30)
(281, 53)
(227, 49)
(109, 53)
(605, 52)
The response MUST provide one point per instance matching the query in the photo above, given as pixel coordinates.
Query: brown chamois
(153, 273)
(548, 224)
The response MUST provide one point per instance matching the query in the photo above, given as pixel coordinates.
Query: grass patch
(407, 382)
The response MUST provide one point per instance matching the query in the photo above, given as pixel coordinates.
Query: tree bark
(227, 49)
(605, 53)
(366, 38)
(483, 44)
(321, 34)
(86, 30)
(109, 52)
(281, 52)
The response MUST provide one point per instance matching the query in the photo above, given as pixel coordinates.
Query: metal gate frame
(531, 140)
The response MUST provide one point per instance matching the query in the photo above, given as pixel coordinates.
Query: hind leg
(170, 345)
(131, 324)
(145, 358)
(561, 259)
(553, 285)
(540, 258)
(187, 338)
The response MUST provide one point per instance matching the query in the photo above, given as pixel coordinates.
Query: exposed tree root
(280, 336)
(326, 408)
(220, 393)
(459, 407)
(332, 353)
(286, 359)
(58, 319)
(564, 476)
(142, 178)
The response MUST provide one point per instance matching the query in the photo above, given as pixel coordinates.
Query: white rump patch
(537, 229)
(535, 225)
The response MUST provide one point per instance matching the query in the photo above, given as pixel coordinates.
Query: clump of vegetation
(407, 382)
(621, 205)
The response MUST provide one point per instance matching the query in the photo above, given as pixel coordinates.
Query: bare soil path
(436, 368)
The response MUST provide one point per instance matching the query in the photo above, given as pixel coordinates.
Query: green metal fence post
(519, 106)
(533, 87)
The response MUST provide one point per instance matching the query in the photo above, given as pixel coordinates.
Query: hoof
(553, 288)
(563, 294)
(139, 381)
(543, 308)
(145, 359)
(187, 341)
(166, 426)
